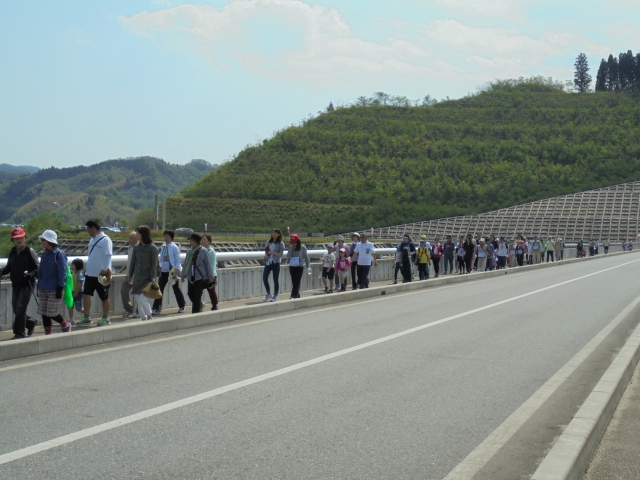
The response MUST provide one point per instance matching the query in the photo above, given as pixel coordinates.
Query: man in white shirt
(98, 265)
(364, 253)
(169, 261)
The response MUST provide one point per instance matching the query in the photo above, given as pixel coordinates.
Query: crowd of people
(50, 281)
(149, 269)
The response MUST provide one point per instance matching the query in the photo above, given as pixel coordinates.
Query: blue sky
(86, 81)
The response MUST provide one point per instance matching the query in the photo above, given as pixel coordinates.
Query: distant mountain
(114, 190)
(9, 172)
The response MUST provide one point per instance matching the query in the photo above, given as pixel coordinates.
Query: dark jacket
(53, 270)
(408, 250)
(18, 263)
(143, 268)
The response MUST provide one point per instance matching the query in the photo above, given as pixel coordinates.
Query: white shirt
(364, 251)
(100, 252)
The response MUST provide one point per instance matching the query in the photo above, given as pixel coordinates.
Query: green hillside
(517, 141)
(114, 190)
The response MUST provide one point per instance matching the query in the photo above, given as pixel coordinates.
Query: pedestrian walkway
(618, 455)
(115, 319)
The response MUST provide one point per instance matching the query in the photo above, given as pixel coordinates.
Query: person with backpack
(22, 268)
(198, 271)
(423, 255)
(298, 259)
(143, 270)
(52, 279)
(97, 273)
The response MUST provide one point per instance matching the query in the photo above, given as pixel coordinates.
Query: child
(423, 255)
(78, 280)
(343, 267)
(328, 262)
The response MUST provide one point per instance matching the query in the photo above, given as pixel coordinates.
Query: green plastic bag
(69, 301)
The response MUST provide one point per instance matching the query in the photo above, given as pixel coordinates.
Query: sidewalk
(618, 455)
(115, 319)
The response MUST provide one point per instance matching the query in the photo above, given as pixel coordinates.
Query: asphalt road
(370, 389)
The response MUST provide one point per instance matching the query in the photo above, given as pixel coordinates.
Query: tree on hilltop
(601, 77)
(582, 78)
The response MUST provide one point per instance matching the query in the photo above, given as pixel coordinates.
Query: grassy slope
(392, 164)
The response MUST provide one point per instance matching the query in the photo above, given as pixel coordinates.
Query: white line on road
(72, 437)
(484, 452)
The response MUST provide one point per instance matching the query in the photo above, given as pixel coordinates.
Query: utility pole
(164, 215)
(155, 215)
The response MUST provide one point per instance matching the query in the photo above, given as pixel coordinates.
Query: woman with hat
(22, 266)
(52, 278)
(297, 257)
(198, 271)
(143, 271)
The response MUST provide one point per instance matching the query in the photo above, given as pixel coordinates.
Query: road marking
(480, 456)
(310, 311)
(72, 437)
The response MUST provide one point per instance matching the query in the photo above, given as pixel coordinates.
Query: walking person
(407, 250)
(512, 253)
(197, 270)
(449, 251)
(170, 269)
(22, 268)
(328, 268)
(365, 255)
(502, 252)
(338, 245)
(398, 262)
(355, 239)
(606, 245)
(536, 248)
(557, 248)
(143, 270)
(129, 301)
(52, 278)
(469, 253)
(211, 288)
(77, 267)
(343, 266)
(460, 265)
(297, 256)
(436, 250)
(551, 249)
(423, 256)
(482, 253)
(273, 253)
(98, 265)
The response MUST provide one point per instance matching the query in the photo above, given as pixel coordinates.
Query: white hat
(50, 236)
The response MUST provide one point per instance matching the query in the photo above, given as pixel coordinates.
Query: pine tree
(582, 78)
(330, 108)
(626, 66)
(636, 86)
(601, 78)
(613, 82)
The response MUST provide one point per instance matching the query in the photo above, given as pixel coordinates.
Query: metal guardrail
(121, 260)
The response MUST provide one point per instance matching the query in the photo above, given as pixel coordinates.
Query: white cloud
(320, 48)
(513, 10)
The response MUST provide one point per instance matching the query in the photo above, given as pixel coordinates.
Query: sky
(86, 81)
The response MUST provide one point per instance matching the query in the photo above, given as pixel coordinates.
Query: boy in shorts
(328, 263)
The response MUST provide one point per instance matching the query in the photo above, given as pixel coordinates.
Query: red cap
(295, 238)
(18, 233)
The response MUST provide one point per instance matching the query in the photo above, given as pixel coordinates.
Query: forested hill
(114, 190)
(512, 143)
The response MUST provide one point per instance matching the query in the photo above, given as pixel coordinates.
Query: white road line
(72, 437)
(310, 311)
(481, 455)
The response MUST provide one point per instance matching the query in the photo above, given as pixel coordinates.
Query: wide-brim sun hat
(339, 237)
(152, 291)
(50, 236)
(355, 234)
(105, 280)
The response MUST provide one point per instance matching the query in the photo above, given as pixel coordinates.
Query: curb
(570, 456)
(10, 350)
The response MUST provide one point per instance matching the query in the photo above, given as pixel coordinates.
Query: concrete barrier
(135, 329)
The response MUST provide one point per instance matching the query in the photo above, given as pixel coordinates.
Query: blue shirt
(52, 274)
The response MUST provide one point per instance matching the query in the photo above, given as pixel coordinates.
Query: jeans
(194, 291)
(162, 283)
(354, 269)
(20, 298)
(363, 276)
(296, 278)
(448, 262)
(275, 268)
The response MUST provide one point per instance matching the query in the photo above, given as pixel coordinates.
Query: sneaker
(66, 328)
(17, 337)
(127, 314)
(326, 289)
(274, 298)
(214, 308)
(71, 321)
(104, 321)
(156, 312)
(85, 321)
(135, 315)
(180, 310)
(267, 298)
(394, 283)
(31, 327)
(330, 290)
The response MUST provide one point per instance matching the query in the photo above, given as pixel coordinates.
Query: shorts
(342, 274)
(91, 285)
(328, 273)
(48, 304)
